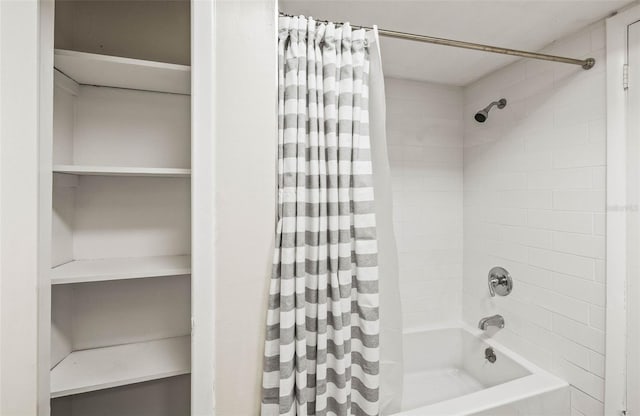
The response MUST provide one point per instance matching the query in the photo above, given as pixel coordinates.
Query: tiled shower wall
(424, 134)
(534, 201)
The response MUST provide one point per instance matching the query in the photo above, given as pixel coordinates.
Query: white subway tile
(534, 275)
(586, 404)
(597, 314)
(506, 181)
(425, 133)
(600, 272)
(580, 156)
(580, 244)
(506, 250)
(535, 159)
(536, 313)
(554, 133)
(592, 200)
(561, 262)
(561, 304)
(599, 175)
(596, 363)
(575, 222)
(541, 113)
(575, 412)
(534, 353)
(523, 198)
(599, 223)
(579, 112)
(556, 139)
(580, 88)
(572, 352)
(581, 378)
(597, 130)
(560, 179)
(527, 236)
(506, 216)
(578, 288)
(589, 337)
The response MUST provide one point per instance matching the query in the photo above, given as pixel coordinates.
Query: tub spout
(495, 320)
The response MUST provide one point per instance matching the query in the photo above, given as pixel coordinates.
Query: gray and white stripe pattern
(321, 351)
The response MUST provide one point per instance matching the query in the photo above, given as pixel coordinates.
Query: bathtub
(446, 373)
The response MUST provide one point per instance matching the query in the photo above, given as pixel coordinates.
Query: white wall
(424, 133)
(202, 209)
(156, 30)
(164, 397)
(245, 154)
(534, 182)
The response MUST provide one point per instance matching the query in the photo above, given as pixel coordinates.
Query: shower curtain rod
(584, 63)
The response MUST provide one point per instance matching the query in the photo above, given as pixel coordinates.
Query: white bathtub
(446, 373)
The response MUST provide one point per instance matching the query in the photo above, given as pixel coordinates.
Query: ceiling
(517, 24)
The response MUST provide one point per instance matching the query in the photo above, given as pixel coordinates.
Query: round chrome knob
(500, 281)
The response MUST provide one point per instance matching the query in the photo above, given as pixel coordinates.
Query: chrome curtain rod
(584, 63)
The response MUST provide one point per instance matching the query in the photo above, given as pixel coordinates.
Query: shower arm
(584, 63)
(490, 106)
(501, 103)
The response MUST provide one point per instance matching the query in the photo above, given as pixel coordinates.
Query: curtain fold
(322, 354)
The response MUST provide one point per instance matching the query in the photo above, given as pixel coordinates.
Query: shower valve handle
(492, 283)
(500, 282)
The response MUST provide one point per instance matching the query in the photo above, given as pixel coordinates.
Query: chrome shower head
(482, 115)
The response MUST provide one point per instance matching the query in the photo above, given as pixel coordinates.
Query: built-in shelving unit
(121, 171)
(79, 271)
(120, 226)
(101, 368)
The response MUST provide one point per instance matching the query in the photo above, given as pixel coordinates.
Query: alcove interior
(121, 226)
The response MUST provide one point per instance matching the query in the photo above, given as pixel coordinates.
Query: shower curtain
(391, 357)
(322, 348)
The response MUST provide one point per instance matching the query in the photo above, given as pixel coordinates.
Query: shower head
(482, 115)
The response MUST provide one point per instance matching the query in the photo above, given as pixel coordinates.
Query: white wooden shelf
(78, 271)
(101, 368)
(115, 71)
(121, 171)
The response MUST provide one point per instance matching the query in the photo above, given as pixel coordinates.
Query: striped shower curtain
(322, 341)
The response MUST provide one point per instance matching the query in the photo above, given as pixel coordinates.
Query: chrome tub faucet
(495, 320)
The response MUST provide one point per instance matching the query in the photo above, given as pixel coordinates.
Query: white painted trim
(245, 196)
(45, 179)
(20, 77)
(202, 206)
(616, 309)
